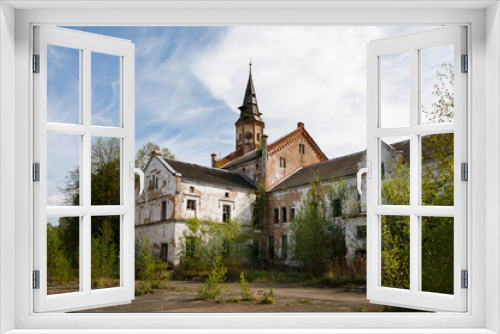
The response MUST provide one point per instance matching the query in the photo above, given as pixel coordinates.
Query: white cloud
(316, 75)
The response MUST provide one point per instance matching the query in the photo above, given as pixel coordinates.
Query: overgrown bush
(206, 240)
(245, 290)
(150, 270)
(104, 256)
(214, 283)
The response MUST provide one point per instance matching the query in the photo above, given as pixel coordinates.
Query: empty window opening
(191, 204)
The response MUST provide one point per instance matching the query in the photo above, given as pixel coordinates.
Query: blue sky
(191, 80)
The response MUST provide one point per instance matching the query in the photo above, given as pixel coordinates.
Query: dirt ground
(180, 296)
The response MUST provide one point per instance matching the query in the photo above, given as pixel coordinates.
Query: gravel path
(180, 296)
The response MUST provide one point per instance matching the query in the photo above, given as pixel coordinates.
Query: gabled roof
(325, 171)
(300, 130)
(236, 157)
(252, 155)
(218, 177)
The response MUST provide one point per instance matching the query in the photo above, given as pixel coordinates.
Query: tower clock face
(248, 135)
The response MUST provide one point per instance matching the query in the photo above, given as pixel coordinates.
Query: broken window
(191, 204)
(284, 246)
(270, 248)
(292, 213)
(276, 214)
(164, 210)
(164, 252)
(337, 208)
(283, 214)
(226, 213)
(190, 246)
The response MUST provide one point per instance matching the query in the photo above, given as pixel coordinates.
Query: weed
(232, 300)
(268, 297)
(138, 292)
(245, 290)
(213, 284)
(304, 301)
(359, 309)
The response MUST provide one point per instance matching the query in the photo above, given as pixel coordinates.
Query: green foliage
(259, 206)
(59, 265)
(142, 155)
(245, 290)
(304, 301)
(214, 283)
(268, 297)
(318, 229)
(151, 270)
(104, 256)
(204, 241)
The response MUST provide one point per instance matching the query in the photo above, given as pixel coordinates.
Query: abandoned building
(176, 191)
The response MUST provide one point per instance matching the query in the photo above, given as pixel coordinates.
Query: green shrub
(150, 270)
(245, 290)
(213, 284)
(268, 297)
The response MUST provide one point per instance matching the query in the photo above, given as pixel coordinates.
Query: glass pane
(105, 249)
(105, 181)
(63, 170)
(395, 170)
(436, 84)
(437, 254)
(63, 255)
(63, 85)
(105, 90)
(438, 169)
(396, 252)
(395, 90)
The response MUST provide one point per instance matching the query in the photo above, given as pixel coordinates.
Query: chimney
(153, 153)
(214, 156)
(264, 159)
(300, 125)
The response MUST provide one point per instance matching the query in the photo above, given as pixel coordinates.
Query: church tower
(249, 127)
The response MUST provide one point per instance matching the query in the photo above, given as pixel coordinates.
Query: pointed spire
(249, 108)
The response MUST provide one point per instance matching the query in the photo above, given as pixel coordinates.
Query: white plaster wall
(210, 201)
(149, 204)
(164, 233)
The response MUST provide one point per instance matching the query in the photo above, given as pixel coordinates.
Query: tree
(142, 155)
(318, 230)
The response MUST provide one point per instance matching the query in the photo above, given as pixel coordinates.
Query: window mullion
(85, 175)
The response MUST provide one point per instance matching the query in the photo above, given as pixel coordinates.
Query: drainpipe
(264, 160)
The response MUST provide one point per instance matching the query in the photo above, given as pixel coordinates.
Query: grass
(304, 301)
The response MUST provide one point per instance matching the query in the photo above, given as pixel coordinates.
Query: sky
(190, 82)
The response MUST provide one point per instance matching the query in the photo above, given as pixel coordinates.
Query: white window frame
(483, 19)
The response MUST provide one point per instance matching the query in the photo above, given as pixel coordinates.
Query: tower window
(302, 148)
(227, 195)
(258, 136)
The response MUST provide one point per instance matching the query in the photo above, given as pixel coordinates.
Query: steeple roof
(250, 109)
